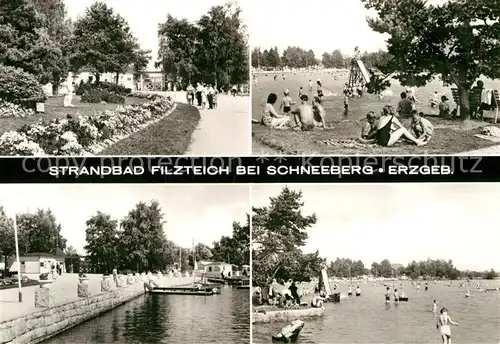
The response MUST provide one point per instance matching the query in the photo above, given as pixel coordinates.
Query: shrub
(97, 96)
(19, 87)
(13, 110)
(85, 87)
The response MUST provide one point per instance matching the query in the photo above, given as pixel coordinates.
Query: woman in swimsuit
(270, 117)
(443, 325)
(390, 130)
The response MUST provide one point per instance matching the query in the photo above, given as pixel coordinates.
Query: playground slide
(325, 281)
(364, 71)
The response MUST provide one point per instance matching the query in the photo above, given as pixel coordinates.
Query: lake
(366, 319)
(223, 318)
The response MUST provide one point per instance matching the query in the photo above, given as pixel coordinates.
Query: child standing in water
(443, 325)
(435, 307)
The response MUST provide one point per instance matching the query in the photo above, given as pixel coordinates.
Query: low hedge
(19, 87)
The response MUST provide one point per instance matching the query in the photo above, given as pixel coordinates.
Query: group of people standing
(203, 95)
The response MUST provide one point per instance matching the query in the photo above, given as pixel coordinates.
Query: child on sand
(286, 103)
(423, 129)
(443, 325)
(369, 131)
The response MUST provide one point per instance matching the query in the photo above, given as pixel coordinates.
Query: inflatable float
(290, 332)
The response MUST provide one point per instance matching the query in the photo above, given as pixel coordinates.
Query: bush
(19, 87)
(85, 87)
(97, 96)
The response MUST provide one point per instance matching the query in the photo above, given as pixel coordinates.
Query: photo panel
(121, 78)
(375, 263)
(131, 263)
(375, 77)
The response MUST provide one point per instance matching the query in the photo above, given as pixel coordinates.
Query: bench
(475, 102)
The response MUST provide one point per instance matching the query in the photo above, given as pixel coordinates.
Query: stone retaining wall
(43, 324)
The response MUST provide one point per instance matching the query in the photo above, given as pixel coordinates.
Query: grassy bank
(169, 136)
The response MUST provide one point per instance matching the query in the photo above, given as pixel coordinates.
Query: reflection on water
(366, 319)
(158, 318)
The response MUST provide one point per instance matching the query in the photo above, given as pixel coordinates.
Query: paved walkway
(225, 130)
(65, 288)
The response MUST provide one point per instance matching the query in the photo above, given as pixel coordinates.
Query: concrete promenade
(65, 288)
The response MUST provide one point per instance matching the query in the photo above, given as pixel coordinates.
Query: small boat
(203, 291)
(403, 299)
(290, 332)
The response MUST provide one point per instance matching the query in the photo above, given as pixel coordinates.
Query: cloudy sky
(320, 25)
(401, 222)
(145, 15)
(202, 212)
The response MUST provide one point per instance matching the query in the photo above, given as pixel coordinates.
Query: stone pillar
(106, 283)
(119, 281)
(83, 290)
(45, 297)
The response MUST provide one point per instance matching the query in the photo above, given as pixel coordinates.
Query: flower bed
(13, 110)
(80, 135)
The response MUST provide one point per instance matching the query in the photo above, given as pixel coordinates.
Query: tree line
(213, 50)
(137, 242)
(296, 57)
(279, 231)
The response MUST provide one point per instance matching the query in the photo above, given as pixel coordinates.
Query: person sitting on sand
(421, 127)
(286, 103)
(405, 106)
(443, 325)
(369, 131)
(317, 301)
(390, 130)
(304, 115)
(270, 117)
(444, 108)
(319, 114)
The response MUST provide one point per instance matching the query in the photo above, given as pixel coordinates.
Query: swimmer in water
(349, 291)
(310, 86)
(301, 92)
(396, 296)
(388, 295)
(467, 294)
(435, 307)
(443, 325)
(358, 291)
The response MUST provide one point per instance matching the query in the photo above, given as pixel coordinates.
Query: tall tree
(278, 232)
(59, 29)
(26, 41)
(40, 232)
(7, 239)
(178, 47)
(142, 238)
(457, 40)
(235, 249)
(102, 41)
(223, 46)
(101, 236)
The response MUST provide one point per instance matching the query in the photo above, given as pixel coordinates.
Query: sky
(202, 212)
(401, 222)
(320, 25)
(145, 15)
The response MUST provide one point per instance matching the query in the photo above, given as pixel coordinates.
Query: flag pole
(18, 261)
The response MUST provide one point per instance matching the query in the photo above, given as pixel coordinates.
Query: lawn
(450, 136)
(169, 136)
(54, 109)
